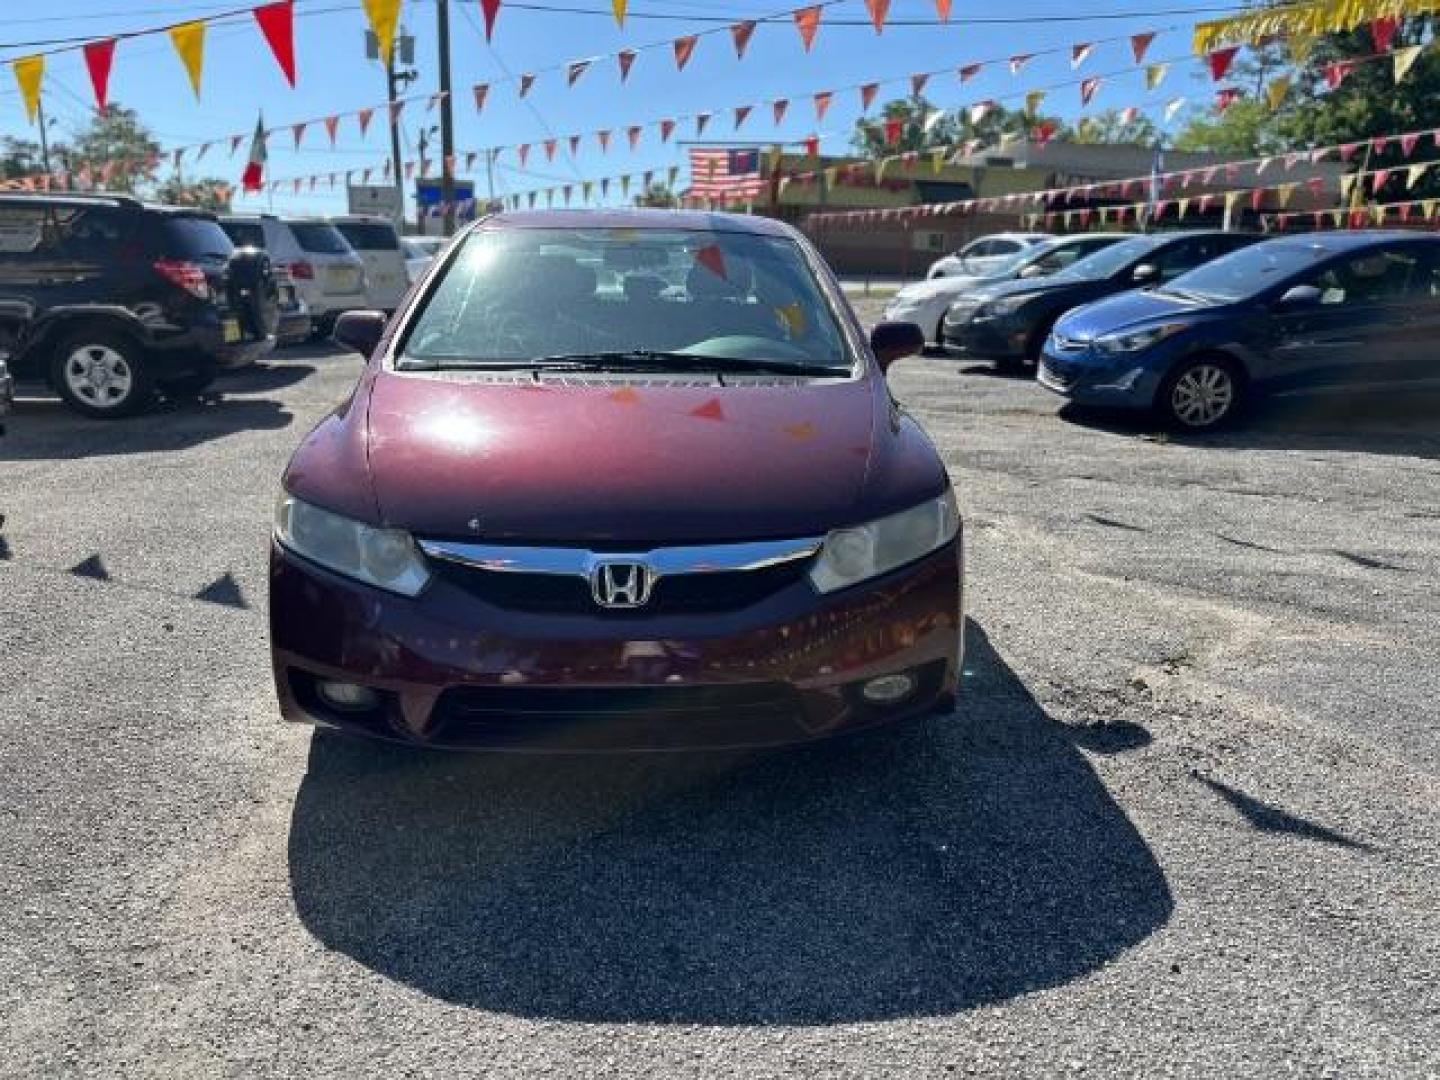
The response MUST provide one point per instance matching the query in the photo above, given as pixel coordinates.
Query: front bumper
(1003, 338)
(1103, 383)
(454, 671)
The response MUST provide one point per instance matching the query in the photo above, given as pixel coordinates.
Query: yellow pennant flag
(1300, 46)
(1155, 75)
(937, 159)
(1414, 174)
(1378, 213)
(1404, 60)
(880, 169)
(1347, 183)
(383, 16)
(1337, 218)
(1429, 207)
(29, 73)
(1183, 208)
(189, 41)
(1276, 92)
(618, 6)
(830, 176)
(1232, 199)
(1286, 192)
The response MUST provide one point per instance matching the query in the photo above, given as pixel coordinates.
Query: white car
(420, 252)
(985, 254)
(924, 303)
(328, 275)
(375, 240)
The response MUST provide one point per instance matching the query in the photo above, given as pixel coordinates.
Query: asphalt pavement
(1184, 822)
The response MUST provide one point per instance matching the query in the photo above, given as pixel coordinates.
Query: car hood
(1027, 287)
(937, 287)
(624, 462)
(1126, 310)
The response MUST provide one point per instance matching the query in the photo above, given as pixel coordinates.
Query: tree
(117, 135)
(869, 137)
(209, 193)
(1112, 128)
(1247, 127)
(21, 157)
(657, 194)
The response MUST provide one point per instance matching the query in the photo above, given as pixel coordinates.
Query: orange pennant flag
(807, 21)
(740, 33)
(684, 49)
(30, 73)
(942, 9)
(878, 9)
(189, 41)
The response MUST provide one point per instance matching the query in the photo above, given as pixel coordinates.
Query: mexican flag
(254, 176)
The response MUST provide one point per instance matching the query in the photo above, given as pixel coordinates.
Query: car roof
(113, 200)
(1075, 238)
(637, 218)
(1351, 240)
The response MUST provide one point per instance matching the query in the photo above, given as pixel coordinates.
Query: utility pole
(423, 143)
(44, 139)
(402, 47)
(447, 120)
(391, 84)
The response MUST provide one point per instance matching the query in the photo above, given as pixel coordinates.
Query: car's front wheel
(101, 373)
(1202, 393)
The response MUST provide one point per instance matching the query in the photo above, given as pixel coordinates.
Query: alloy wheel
(1203, 395)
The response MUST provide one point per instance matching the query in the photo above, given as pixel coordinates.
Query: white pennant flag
(1175, 105)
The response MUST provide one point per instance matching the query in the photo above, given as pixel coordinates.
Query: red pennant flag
(969, 71)
(625, 57)
(667, 128)
(277, 24)
(1408, 143)
(603, 138)
(1088, 88)
(917, 83)
(740, 33)
(98, 57)
(1140, 45)
(1337, 72)
(1226, 97)
(522, 153)
(332, 125)
(576, 69)
(1378, 180)
(527, 80)
(1220, 61)
(1045, 132)
(491, 8)
(364, 116)
(1379, 143)
(1080, 53)
(822, 102)
(867, 95)
(878, 9)
(807, 21)
(684, 49)
(1383, 31)
(741, 112)
(777, 109)
(702, 120)
(1256, 198)
(1316, 186)
(893, 128)
(812, 146)
(1347, 150)
(299, 132)
(409, 169)
(396, 108)
(942, 9)
(481, 92)
(633, 133)
(550, 145)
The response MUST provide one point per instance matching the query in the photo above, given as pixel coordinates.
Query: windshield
(369, 235)
(245, 233)
(195, 238)
(527, 294)
(1248, 271)
(319, 237)
(1109, 261)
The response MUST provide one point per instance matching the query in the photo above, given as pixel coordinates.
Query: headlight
(1137, 340)
(853, 555)
(385, 558)
(995, 309)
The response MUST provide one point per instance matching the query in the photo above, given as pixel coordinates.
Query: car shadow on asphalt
(1401, 421)
(918, 871)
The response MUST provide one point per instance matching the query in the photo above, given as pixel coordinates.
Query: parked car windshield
(369, 235)
(1248, 271)
(194, 238)
(245, 233)
(531, 293)
(1109, 261)
(319, 237)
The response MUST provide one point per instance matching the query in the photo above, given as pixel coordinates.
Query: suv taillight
(186, 275)
(302, 271)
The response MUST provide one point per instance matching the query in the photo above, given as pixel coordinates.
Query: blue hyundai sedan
(1324, 308)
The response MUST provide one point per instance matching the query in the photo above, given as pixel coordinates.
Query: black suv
(110, 299)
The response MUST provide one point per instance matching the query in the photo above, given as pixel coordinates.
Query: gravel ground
(1183, 824)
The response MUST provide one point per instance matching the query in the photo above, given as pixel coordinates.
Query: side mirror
(1144, 272)
(891, 341)
(1301, 296)
(360, 330)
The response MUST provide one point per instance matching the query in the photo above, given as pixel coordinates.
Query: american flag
(719, 173)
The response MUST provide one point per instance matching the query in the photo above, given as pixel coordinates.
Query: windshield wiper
(659, 360)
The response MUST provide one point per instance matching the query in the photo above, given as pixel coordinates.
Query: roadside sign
(380, 199)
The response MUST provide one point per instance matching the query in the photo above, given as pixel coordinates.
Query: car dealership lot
(1184, 822)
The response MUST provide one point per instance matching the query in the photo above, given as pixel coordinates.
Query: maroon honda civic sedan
(617, 480)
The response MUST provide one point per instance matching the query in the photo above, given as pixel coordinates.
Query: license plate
(287, 296)
(230, 329)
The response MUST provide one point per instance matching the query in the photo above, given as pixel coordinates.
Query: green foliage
(209, 193)
(117, 135)
(657, 194)
(19, 157)
(944, 128)
(1110, 128)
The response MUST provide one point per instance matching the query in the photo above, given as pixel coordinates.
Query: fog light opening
(888, 689)
(347, 697)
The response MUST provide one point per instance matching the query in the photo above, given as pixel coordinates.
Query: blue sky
(241, 78)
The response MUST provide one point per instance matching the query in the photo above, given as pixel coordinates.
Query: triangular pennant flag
(1276, 91)
(867, 95)
(937, 159)
(298, 130)
(684, 49)
(1220, 60)
(1408, 142)
(396, 108)
(1337, 72)
(969, 71)
(625, 58)
(1380, 143)
(383, 15)
(741, 112)
(740, 34)
(618, 7)
(978, 112)
(470, 156)
(625, 185)
(1429, 206)
(1045, 132)
(1155, 75)
(1140, 45)
(894, 126)
(1172, 107)
(1413, 175)
(702, 120)
(1316, 185)
(1017, 63)
(99, 55)
(522, 153)
(585, 188)
(277, 25)
(30, 73)
(822, 103)
(481, 92)
(527, 80)
(1079, 54)
(189, 41)
(1225, 98)
(878, 9)
(1382, 31)
(942, 9)
(1404, 60)
(1347, 185)
(633, 134)
(917, 83)
(1348, 150)
(1033, 100)
(1378, 180)
(550, 145)
(574, 145)
(667, 127)
(490, 8)
(1284, 193)
(332, 127)
(812, 146)
(1182, 208)
(777, 109)
(1088, 88)
(575, 70)
(807, 21)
